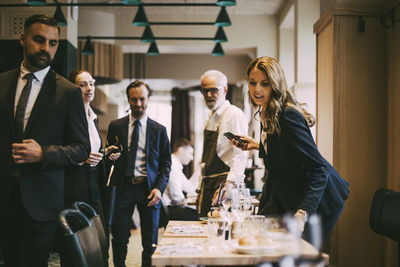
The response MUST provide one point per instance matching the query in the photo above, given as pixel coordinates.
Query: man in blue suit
(141, 173)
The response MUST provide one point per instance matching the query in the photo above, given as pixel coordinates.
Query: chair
(95, 219)
(82, 246)
(384, 217)
(164, 215)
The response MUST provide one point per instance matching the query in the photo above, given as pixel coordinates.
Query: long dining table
(228, 256)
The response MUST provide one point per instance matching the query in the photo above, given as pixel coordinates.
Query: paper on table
(188, 229)
(181, 248)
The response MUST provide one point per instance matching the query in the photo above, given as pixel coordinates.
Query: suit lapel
(46, 92)
(149, 134)
(96, 124)
(124, 132)
(11, 92)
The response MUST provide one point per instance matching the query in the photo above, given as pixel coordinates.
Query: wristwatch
(305, 214)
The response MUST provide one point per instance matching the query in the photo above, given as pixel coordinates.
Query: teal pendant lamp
(217, 51)
(147, 36)
(88, 48)
(153, 50)
(140, 18)
(37, 2)
(131, 2)
(223, 18)
(226, 2)
(59, 16)
(220, 36)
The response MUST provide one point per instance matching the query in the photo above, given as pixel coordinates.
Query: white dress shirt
(140, 162)
(37, 83)
(233, 121)
(177, 184)
(95, 142)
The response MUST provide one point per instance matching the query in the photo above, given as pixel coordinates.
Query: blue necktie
(21, 106)
(130, 167)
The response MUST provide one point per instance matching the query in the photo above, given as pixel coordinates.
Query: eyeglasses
(205, 91)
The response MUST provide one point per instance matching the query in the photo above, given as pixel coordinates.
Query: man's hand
(27, 152)
(301, 221)
(94, 158)
(154, 197)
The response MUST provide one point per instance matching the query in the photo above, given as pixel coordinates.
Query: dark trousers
(25, 241)
(127, 197)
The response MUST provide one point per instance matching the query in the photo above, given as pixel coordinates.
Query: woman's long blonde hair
(281, 96)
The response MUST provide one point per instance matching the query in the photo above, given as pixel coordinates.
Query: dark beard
(35, 61)
(138, 113)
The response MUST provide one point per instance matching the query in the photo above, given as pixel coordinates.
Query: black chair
(95, 219)
(384, 218)
(81, 242)
(164, 215)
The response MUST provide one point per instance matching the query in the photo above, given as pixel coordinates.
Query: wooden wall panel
(360, 133)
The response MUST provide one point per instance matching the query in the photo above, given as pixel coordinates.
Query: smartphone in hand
(231, 136)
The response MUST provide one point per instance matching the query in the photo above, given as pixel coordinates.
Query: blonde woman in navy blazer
(299, 179)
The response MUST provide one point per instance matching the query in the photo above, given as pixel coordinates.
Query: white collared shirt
(233, 121)
(140, 162)
(37, 83)
(177, 184)
(95, 142)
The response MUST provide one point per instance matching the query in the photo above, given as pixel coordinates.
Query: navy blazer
(158, 152)
(58, 123)
(297, 173)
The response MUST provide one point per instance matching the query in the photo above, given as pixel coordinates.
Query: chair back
(80, 239)
(385, 213)
(95, 219)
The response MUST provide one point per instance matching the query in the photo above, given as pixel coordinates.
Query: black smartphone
(231, 136)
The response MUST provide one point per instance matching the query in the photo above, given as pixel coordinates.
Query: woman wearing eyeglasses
(299, 179)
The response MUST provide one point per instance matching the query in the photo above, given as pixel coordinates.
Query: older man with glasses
(223, 163)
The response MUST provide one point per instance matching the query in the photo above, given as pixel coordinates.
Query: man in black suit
(141, 173)
(44, 129)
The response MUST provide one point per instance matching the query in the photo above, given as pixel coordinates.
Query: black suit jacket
(158, 152)
(298, 176)
(58, 123)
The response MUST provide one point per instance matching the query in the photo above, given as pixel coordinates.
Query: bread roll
(247, 241)
(213, 214)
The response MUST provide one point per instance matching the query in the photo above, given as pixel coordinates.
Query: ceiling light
(37, 2)
(217, 51)
(59, 16)
(131, 2)
(220, 36)
(223, 18)
(147, 36)
(88, 48)
(153, 50)
(140, 18)
(226, 2)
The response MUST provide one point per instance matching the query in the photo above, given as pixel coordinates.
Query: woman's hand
(112, 156)
(249, 143)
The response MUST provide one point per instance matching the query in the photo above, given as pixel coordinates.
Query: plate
(253, 250)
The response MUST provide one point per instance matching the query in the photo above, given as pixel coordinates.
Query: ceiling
(243, 7)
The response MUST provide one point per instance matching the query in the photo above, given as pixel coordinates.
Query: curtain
(180, 127)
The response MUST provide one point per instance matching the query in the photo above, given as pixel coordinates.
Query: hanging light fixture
(218, 51)
(153, 50)
(37, 2)
(147, 36)
(140, 18)
(226, 2)
(223, 18)
(88, 48)
(220, 36)
(59, 16)
(131, 2)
